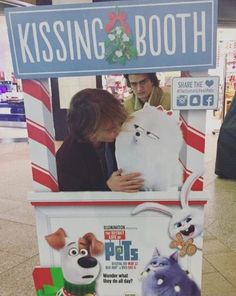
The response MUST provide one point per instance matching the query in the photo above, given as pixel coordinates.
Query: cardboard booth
(135, 244)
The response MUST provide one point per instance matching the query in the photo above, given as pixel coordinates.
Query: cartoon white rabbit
(187, 221)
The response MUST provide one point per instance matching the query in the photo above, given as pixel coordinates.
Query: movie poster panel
(121, 250)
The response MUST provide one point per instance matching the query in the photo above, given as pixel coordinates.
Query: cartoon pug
(80, 269)
(145, 144)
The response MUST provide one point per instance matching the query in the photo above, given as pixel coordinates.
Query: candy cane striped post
(41, 135)
(192, 153)
(193, 126)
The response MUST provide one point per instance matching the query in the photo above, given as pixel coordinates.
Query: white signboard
(190, 93)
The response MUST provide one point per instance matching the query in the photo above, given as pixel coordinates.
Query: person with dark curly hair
(86, 159)
(145, 88)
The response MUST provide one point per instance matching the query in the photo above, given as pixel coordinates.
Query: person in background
(145, 88)
(225, 165)
(86, 159)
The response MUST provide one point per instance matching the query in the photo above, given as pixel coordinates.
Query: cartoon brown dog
(80, 269)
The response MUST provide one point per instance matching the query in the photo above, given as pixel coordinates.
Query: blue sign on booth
(112, 37)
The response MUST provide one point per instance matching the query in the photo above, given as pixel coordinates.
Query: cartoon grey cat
(164, 277)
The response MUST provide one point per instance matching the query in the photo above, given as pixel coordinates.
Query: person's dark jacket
(225, 166)
(81, 167)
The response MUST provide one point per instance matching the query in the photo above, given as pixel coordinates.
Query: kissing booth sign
(113, 243)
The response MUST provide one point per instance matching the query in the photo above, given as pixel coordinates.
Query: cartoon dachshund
(80, 269)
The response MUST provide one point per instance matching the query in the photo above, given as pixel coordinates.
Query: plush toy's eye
(152, 136)
(73, 252)
(138, 128)
(83, 252)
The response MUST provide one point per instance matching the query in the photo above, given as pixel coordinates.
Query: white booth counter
(129, 240)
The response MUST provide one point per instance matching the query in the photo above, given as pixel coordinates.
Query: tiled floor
(219, 250)
(18, 241)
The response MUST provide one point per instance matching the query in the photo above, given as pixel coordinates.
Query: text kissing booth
(113, 243)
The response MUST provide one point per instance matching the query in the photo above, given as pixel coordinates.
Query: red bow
(113, 17)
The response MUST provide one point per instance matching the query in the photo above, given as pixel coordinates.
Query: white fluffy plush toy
(150, 143)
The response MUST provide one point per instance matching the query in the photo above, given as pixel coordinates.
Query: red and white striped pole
(192, 153)
(193, 127)
(41, 134)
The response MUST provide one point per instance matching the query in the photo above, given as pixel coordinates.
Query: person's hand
(126, 183)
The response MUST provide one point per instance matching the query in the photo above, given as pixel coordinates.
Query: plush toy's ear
(91, 244)
(146, 105)
(184, 193)
(152, 206)
(56, 240)
(159, 107)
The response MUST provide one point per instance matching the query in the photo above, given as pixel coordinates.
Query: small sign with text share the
(195, 93)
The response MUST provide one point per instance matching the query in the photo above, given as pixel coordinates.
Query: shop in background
(12, 111)
(116, 84)
(225, 69)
